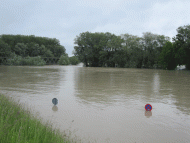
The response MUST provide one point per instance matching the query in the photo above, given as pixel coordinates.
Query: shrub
(64, 60)
(74, 60)
(37, 61)
(14, 60)
(18, 60)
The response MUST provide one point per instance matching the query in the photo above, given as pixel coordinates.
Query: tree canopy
(149, 51)
(30, 46)
(182, 46)
(106, 49)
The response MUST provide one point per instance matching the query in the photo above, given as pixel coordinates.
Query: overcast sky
(65, 19)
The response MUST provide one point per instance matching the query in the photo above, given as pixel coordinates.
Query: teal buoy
(55, 101)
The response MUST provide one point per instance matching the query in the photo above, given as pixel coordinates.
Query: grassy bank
(19, 126)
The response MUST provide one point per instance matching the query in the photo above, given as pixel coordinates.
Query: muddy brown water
(105, 104)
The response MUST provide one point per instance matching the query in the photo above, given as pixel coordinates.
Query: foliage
(38, 61)
(74, 60)
(33, 49)
(21, 49)
(18, 60)
(97, 49)
(133, 51)
(14, 60)
(5, 49)
(152, 47)
(47, 53)
(106, 49)
(182, 46)
(12, 40)
(32, 46)
(64, 60)
(57, 50)
(167, 57)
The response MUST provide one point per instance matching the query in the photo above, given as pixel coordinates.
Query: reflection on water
(148, 113)
(105, 104)
(156, 84)
(55, 108)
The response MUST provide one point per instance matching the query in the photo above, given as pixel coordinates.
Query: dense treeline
(106, 49)
(101, 49)
(31, 46)
(177, 52)
(30, 50)
(148, 51)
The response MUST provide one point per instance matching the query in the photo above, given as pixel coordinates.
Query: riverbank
(19, 126)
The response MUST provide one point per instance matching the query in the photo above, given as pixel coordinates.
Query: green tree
(9, 39)
(32, 46)
(21, 49)
(33, 49)
(115, 50)
(152, 47)
(182, 46)
(87, 50)
(119, 58)
(57, 50)
(52, 44)
(64, 60)
(133, 51)
(74, 60)
(167, 57)
(5, 49)
(149, 45)
(47, 53)
(106, 53)
(97, 49)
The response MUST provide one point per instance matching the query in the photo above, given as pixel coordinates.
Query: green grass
(19, 126)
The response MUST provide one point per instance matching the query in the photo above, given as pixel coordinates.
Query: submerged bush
(37, 61)
(64, 60)
(18, 60)
(74, 60)
(14, 60)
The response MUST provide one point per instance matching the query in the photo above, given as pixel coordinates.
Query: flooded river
(105, 104)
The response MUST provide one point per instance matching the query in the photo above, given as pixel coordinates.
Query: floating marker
(55, 101)
(148, 107)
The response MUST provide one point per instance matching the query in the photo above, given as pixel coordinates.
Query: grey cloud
(65, 19)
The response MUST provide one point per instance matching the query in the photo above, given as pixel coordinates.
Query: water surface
(105, 104)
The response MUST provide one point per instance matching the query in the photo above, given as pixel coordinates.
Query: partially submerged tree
(167, 57)
(182, 46)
